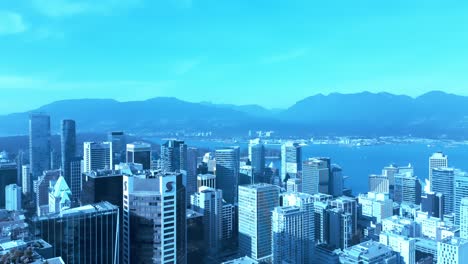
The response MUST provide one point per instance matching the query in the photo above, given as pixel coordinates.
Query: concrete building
(376, 205)
(443, 181)
(97, 156)
(403, 245)
(452, 251)
(227, 172)
(255, 205)
(154, 218)
(291, 160)
(257, 157)
(13, 197)
(369, 252)
(39, 144)
(379, 183)
(438, 160)
(315, 171)
(139, 152)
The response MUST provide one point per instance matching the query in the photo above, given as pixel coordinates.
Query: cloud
(64, 8)
(11, 23)
(48, 84)
(183, 67)
(289, 55)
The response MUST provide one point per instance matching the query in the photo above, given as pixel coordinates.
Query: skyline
(232, 52)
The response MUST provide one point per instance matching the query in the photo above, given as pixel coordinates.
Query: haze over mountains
(435, 114)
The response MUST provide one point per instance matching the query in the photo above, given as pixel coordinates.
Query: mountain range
(434, 114)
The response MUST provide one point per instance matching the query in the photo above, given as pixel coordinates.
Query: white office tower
(403, 245)
(313, 170)
(377, 205)
(464, 218)
(443, 181)
(379, 183)
(291, 160)
(452, 251)
(255, 205)
(227, 172)
(460, 192)
(97, 156)
(257, 157)
(26, 180)
(437, 160)
(13, 197)
(294, 185)
(209, 202)
(293, 229)
(154, 218)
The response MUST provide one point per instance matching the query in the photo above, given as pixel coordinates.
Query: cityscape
(233, 132)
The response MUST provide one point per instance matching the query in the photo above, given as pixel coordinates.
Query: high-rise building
(41, 189)
(369, 252)
(13, 197)
(443, 181)
(119, 144)
(8, 175)
(407, 189)
(255, 205)
(379, 183)
(464, 218)
(173, 156)
(348, 207)
(294, 185)
(39, 144)
(315, 175)
(438, 160)
(97, 156)
(227, 172)
(376, 205)
(192, 156)
(257, 157)
(293, 229)
(207, 180)
(291, 160)
(209, 203)
(68, 144)
(26, 180)
(452, 251)
(433, 204)
(403, 245)
(59, 196)
(139, 152)
(460, 192)
(336, 181)
(87, 234)
(154, 218)
(75, 182)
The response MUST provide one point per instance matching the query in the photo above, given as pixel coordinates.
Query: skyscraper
(139, 152)
(97, 156)
(8, 175)
(39, 144)
(336, 181)
(75, 182)
(173, 156)
(293, 229)
(154, 218)
(192, 155)
(442, 181)
(119, 143)
(26, 180)
(209, 203)
(68, 144)
(87, 234)
(257, 157)
(13, 197)
(437, 160)
(227, 172)
(407, 189)
(379, 183)
(255, 205)
(291, 160)
(464, 218)
(315, 175)
(460, 192)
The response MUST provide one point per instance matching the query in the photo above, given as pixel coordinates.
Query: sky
(267, 52)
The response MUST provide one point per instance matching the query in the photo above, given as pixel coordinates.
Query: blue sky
(268, 52)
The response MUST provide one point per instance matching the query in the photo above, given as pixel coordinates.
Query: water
(358, 162)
